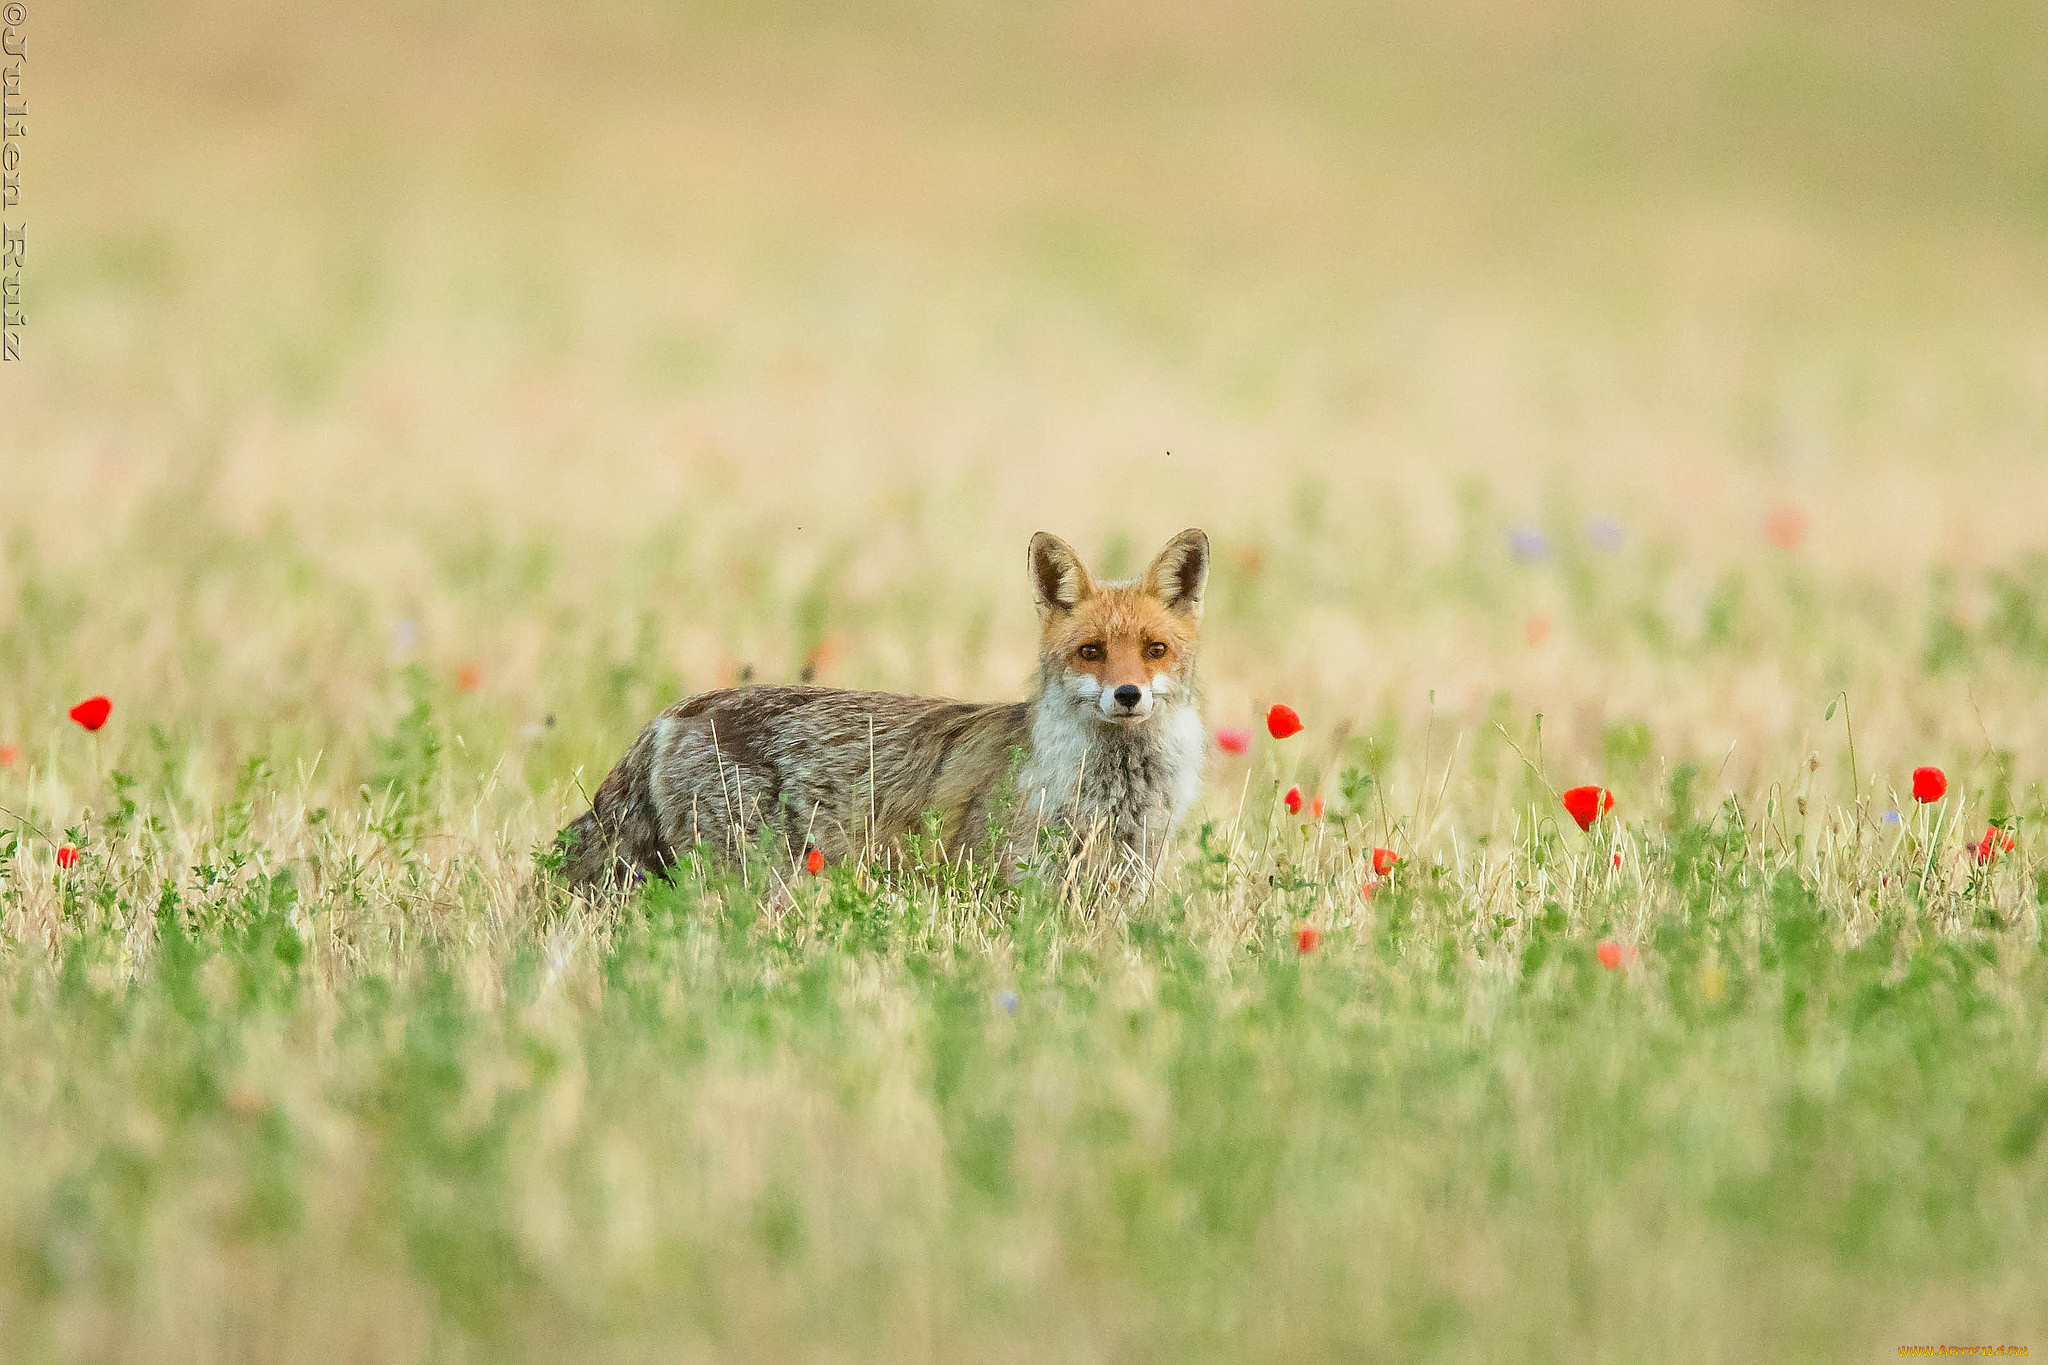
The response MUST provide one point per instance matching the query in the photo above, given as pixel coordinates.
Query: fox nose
(1128, 696)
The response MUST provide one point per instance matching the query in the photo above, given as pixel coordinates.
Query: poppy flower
(1614, 956)
(468, 678)
(1587, 804)
(1617, 859)
(1234, 741)
(8, 755)
(1929, 785)
(1306, 938)
(814, 862)
(1786, 526)
(1383, 860)
(67, 857)
(1282, 722)
(1994, 842)
(92, 712)
(1292, 800)
(1315, 808)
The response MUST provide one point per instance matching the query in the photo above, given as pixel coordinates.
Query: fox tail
(587, 860)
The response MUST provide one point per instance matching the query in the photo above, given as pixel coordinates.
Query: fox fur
(1107, 750)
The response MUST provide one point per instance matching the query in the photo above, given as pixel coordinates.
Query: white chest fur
(1131, 784)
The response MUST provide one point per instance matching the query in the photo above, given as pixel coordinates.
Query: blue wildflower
(1604, 532)
(1528, 545)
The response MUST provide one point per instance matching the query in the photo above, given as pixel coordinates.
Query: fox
(1106, 751)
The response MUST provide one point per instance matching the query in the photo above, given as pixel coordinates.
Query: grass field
(416, 400)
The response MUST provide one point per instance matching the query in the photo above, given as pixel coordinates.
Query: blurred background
(765, 335)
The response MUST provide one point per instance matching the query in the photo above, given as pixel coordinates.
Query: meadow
(415, 401)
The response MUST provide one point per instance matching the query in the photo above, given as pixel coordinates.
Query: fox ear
(1181, 571)
(1057, 579)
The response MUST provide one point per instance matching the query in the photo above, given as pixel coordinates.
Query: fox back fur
(1107, 750)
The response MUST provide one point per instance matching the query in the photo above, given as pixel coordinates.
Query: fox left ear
(1181, 571)
(1058, 579)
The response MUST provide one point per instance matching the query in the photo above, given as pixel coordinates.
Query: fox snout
(1121, 703)
(1130, 701)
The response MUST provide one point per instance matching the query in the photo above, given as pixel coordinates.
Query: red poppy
(92, 712)
(1786, 526)
(1292, 800)
(1929, 785)
(1282, 722)
(1609, 953)
(1994, 842)
(468, 678)
(1383, 860)
(67, 857)
(1587, 804)
(8, 755)
(1617, 857)
(1234, 741)
(814, 862)
(1306, 938)
(1315, 808)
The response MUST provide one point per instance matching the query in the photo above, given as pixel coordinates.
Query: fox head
(1127, 649)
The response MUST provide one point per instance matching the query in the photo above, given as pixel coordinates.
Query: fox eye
(1156, 650)
(1090, 652)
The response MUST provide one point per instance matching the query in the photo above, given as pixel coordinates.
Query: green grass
(303, 1057)
(883, 1120)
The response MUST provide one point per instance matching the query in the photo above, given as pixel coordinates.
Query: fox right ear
(1057, 579)
(1181, 572)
